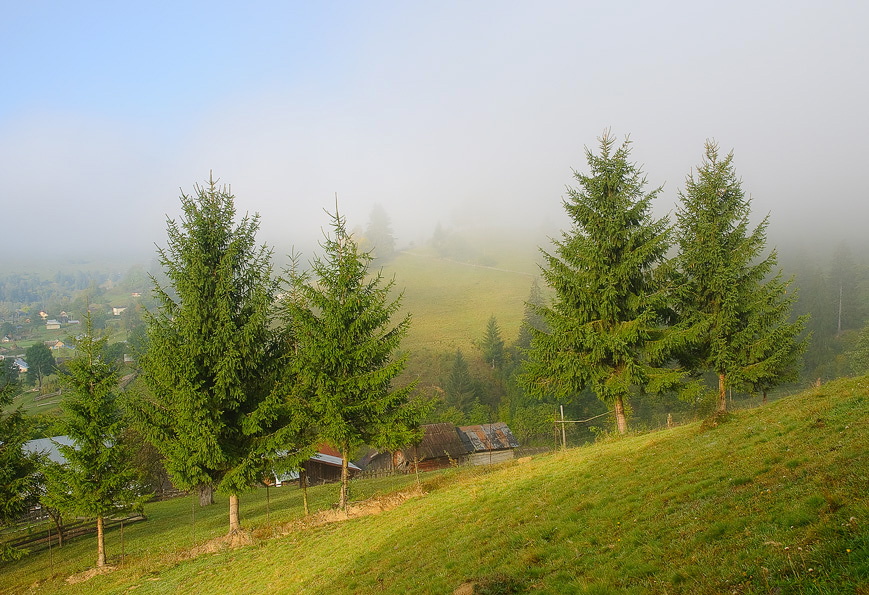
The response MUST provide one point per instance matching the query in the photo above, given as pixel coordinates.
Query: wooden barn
(323, 467)
(439, 448)
(444, 445)
(488, 444)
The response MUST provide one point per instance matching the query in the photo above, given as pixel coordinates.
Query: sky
(468, 114)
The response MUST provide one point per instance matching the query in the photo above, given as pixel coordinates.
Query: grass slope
(773, 500)
(451, 301)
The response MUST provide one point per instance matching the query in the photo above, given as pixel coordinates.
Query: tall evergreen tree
(346, 362)
(735, 325)
(459, 386)
(98, 479)
(18, 469)
(492, 344)
(532, 318)
(604, 327)
(211, 362)
(379, 234)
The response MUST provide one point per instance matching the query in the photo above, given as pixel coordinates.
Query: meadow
(767, 500)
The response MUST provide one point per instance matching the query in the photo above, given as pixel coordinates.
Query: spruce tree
(97, 479)
(346, 361)
(459, 386)
(379, 234)
(532, 318)
(492, 344)
(18, 469)
(734, 323)
(604, 329)
(771, 346)
(211, 362)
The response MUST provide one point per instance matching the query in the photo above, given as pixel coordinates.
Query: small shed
(487, 444)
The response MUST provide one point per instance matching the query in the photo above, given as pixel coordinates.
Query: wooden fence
(39, 539)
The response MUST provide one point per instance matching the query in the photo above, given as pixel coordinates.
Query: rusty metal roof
(488, 437)
(439, 440)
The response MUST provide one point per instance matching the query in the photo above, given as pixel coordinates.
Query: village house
(488, 444)
(444, 445)
(323, 467)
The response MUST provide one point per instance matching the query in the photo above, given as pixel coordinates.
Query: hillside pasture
(767, 500)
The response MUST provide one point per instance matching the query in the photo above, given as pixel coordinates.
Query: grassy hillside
(452, 298)
(771, 500)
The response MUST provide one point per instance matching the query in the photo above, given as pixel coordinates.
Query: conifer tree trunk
(234, 525)
(344, 479)
(621, 420)
(101, 542)
(722, 394)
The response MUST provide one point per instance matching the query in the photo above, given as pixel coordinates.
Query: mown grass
(770, 500)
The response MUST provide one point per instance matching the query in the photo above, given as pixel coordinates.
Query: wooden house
(439, 448)
(323, 467)
(488, 444)
(444, 445)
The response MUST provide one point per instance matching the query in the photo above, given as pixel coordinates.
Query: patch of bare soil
(362, 508)
(224, 542)
(88, 574)
(356, 509)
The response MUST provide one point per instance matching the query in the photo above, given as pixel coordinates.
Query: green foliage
(18, 468)
(345, 361)
(533, 422)
(211, 360)
(113, 353)
(858, 358)
(532, 318)
(492, 344)
(734, 322)
(770, 349)
(97, 479)
(605, 328)
(459, 387)
(40, 363)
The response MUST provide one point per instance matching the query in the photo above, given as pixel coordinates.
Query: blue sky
(464, 113)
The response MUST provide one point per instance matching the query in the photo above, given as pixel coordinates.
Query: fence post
(563, 434)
